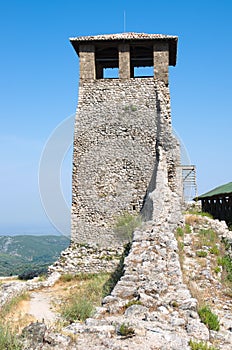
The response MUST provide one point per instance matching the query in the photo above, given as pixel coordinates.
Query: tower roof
(131, 37)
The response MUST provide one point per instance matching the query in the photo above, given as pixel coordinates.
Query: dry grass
(192, 219)
(16, 314)
(81, 300)
(197, 293)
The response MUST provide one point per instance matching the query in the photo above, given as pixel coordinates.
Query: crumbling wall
(120, 124)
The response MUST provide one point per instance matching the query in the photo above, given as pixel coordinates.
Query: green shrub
(207, 237)
(125, 226)
(174, 303)
(125, 330)
(200, 346)
(209, 318)
(31, 273)
(201, 253)
(200, 213)
(214, 250)
(83, 301)
(133, 108)
(67, 277)
(180, 232)
(78, 309)
(208, 215)
(181, 245)
(188, 228)
(133, 302)
(8, 340)
(226, 264)
(217, 269)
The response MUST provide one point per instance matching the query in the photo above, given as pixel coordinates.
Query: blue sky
(39, 87)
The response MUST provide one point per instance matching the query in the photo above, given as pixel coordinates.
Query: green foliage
(208, 215)
(200, 346)
(125, 226)
(78, 309)
(30, 273)
(19, 254)
(133, 302)
(207, 237)
(226, 264)
(67, 277)
(217, 269)
(81, 304)
(174, 303)
(200, 213)
(130, 108)
(201, 253)
(133, 108)
(180, 232)
(8, 340)
(188, 228)
(214, 250)
(125, 330)
(209, 318)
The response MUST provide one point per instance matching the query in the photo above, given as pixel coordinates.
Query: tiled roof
(129, 37)
(123, 36)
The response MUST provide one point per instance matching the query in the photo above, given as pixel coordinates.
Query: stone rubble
(203, 278)
(87, 258)
(12, 289)
(150, 297)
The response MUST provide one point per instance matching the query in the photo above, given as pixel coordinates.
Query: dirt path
(40, 307)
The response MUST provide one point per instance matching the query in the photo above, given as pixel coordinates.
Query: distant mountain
(26, 252)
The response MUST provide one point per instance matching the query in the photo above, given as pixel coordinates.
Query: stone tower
(121, 124)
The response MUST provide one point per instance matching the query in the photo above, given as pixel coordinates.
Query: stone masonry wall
(120, 124)
(150, 297)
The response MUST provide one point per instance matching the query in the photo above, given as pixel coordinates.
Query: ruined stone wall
(120, 124)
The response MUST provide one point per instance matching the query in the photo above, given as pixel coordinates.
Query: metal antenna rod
(124, 21)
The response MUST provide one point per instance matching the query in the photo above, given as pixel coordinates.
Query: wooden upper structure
(218, 202)
(125, 51)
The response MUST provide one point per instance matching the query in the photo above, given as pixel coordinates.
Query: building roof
(131, 37)
(221, 190)
(124, 36)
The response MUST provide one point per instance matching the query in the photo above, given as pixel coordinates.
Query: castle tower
(120, 123)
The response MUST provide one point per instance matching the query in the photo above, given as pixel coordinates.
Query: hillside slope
(21, 253)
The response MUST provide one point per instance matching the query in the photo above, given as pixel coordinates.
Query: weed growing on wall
(226, 263)
(125, 226)
(200, 346)
(201, 253)
(125, 330)
(209, 318)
